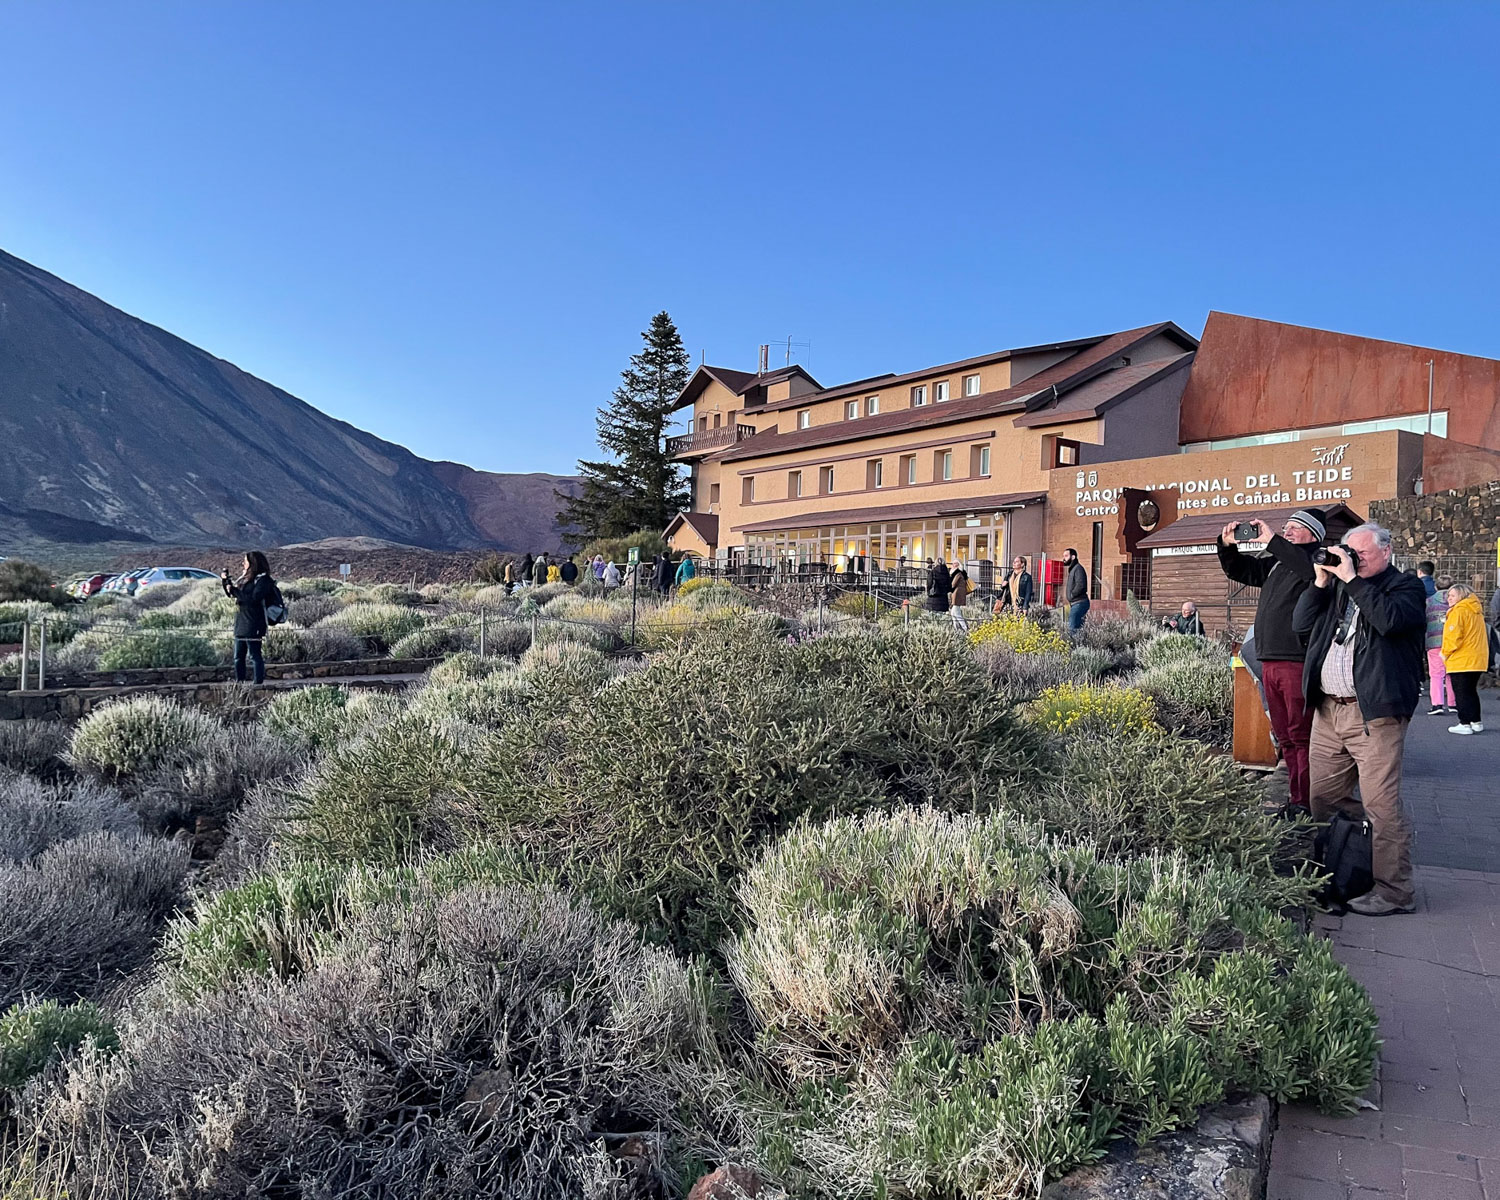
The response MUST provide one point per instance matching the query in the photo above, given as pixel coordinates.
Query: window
(713, 494)
(940, 391)
(793, 484)
(702, 423)
(851, 410)
(804, 419)
(908, 474)
(875, 473)
(1096, 559)
(979, 460)
(919, 395)
(718, 420)
(1067, 453)
(971, 385)
(747, 490)
(827, 481)
(872, 405)
(945, 463)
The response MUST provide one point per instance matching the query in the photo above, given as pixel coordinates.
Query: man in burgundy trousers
(1283, 573)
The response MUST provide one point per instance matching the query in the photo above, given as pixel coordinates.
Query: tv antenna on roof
(788, 346)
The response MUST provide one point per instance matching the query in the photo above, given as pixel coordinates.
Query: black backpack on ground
(1343, 849)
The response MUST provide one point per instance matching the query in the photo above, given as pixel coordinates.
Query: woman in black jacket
(251, 592)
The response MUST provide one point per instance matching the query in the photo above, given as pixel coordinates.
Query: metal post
(820, 612)
(635, 586)
(25, 649)
(482, 613)
(41, 659)
(534, 617)
(1429, 394)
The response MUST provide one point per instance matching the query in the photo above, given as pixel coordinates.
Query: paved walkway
(1435, 979)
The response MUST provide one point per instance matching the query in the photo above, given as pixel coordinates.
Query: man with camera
(1186, 621)
(1365, 623)
(1282, 576)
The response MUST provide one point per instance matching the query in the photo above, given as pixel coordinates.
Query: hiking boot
(1373, 904)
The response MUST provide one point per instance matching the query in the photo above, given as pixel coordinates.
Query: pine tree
(637, 486)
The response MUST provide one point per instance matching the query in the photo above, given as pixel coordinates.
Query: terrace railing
(705, 441)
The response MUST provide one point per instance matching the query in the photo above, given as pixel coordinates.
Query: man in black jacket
(1282, 576)
(1075, 589)
(1365, 624)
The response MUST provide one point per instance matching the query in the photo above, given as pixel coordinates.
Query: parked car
(125, 583)
(87, 585)
(155, 575)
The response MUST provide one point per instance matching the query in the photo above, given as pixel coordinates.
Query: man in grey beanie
(1282, 574)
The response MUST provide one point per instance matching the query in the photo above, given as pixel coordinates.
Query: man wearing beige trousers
(1365, 624)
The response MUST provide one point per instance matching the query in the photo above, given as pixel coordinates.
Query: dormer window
(919, 395)
(872, 405)
(940, 391)
(971, 385)
(851, 410)
(804, 419)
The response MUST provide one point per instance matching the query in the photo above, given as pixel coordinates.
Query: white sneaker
(1465, 729)
(1477, 727)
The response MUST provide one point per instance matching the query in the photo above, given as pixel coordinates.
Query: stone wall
(70, 704)
(1457, 524)
(173, 676)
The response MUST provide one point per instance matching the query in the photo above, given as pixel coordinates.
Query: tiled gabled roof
(1079, 368)
(1101, 393)
(738, 382)
(705, 525)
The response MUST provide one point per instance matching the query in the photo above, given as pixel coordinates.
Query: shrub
(281, 923)
(35, 1035)
(318, 585)
(161, 619)
(1179, 647)
(1194, 697)
(21, 580)
(1117, 634)
(1022, 635)
(464, 665)
(84, 913)
(1019, 677)
(494, 596)
(393, 593)
(1144, 792)
(655, 793)
(435, 641)
(61, 627)
(1094, 708)
(617, 549)
(377, 626)
(82, 653)
(205, 603)
(671, 625)
(509, 639)
(384, 795)
(548, 591)
(34, 747)
(159, 595)
(488, 701)
(312, 608)
(604, 638)
(487, 1044)
(140, 733)
(35, 816)
(565, 669)
(211, 783)
(324, 642)
(858, 604)
(985, 1008)
(308, 718)
(157, 649)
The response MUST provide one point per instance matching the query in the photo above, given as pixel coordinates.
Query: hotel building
(1030, 450)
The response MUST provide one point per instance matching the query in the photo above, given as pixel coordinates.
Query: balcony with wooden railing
(706, 441)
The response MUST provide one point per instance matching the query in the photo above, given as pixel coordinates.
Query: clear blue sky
(447, 223)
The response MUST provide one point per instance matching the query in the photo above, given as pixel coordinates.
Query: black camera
(1245, 531)
(1328, 556)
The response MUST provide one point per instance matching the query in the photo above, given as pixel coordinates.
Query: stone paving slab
(1434, 977)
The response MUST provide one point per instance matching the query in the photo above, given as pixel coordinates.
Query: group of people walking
(949, 590)
(1342, 636)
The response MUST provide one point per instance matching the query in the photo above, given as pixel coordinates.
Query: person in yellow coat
(1466, 654)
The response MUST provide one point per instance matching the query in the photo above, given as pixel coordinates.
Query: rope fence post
(534, 618)
(25, 649)
(41, 659)
(482, 631)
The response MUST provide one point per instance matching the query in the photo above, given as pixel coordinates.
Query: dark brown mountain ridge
(112, 429)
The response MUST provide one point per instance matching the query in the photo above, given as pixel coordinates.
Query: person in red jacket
(1282, 574)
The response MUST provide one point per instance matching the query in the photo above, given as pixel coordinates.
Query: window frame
(984, 462)
(941, 392)
(804, 418)
(945, 465)
(919, 396)
(794, 485)
(851, 410)
(872, 406)
(1070, 446)
(826, 480)
(968, 379)
(877, 473)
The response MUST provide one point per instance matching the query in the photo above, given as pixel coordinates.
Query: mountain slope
(111, 428)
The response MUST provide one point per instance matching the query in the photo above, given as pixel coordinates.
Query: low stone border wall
(222, 674)
(70, 704)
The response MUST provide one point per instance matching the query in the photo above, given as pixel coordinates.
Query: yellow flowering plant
(1021, 635)
(1070, 707)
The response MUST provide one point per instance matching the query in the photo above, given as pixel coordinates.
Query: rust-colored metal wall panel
(1254, 376)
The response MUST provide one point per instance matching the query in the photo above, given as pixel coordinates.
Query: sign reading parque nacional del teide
(1347, 469)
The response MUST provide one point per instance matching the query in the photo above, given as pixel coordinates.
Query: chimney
(765, 358)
